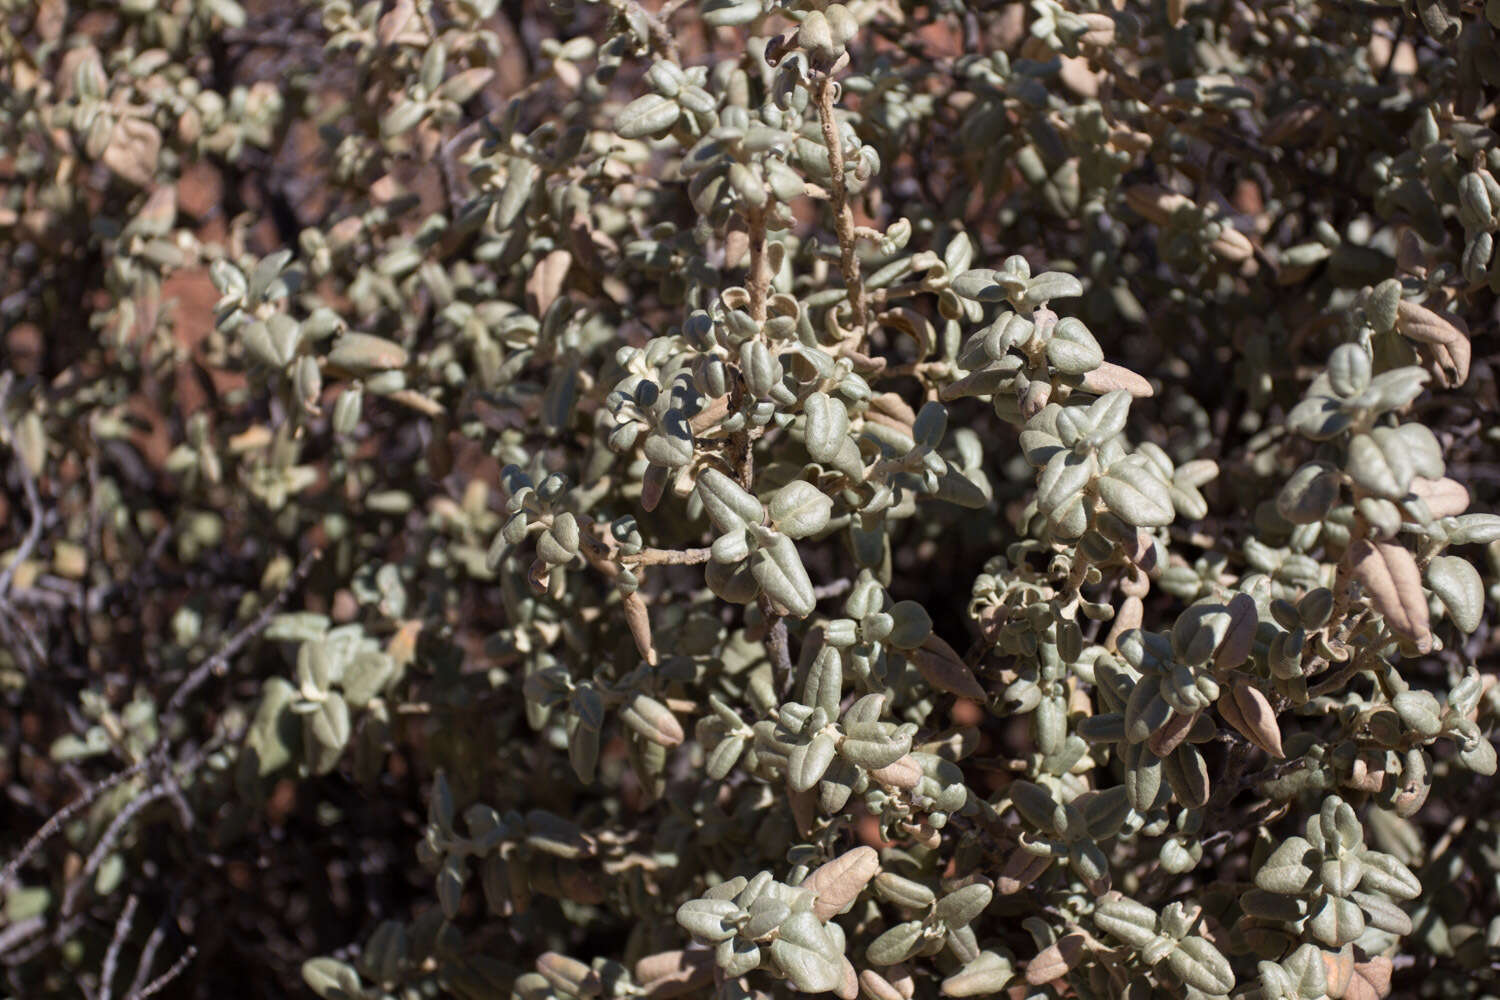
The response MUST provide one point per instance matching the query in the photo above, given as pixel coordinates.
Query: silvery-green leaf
(450, 884)
(1337, 921)
(274, 734)
(1419, 710)
(1136, 494)
(1200, 965)
(326, 733)
(980, 284)
(402, 118)
(1480, 757)
(331, 979)
(730, 13)
(1318, 417)
(363, 353)
(708, 919)
(737, 956)
(1073, 350)
(1382, 914)
(824, 686)
(366, 676)
(1287, 871)
(778, 568)
(1105, 812)
(827, 426)
(805, 952)
(809, 761)
(1131, 922)
(986, 975)
(903, 891)
(1458, 585)
(652, 720)
(873, 745)
(1037, 805)
(910, 625)
(1381, 307)
(728, 505)
(722, 758)
(799, 509)
(1309, 494)
(1349, 370)
(1393, 389)
(646, 116)
(1475, 529)
(960, 907)
(1425, 453)
(1062, 480)
(1384, 471)
(1381, 872)
(896, 945)
(1051, 285)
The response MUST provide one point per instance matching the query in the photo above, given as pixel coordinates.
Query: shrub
(614, 500)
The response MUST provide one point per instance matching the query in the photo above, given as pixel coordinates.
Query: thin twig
(106, 844)
(161, 982)
(843, 215)
(86, 798)
(667, 557)
(28, 485)
(148, 953)
(19, 931)
(218, 664)
(656, 27)
(758, 282)
(112, 954)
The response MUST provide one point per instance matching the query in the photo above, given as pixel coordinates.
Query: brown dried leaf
(877, 987)
(840, 881)
(133, 151)
(1390, 576)
(941, 667)
(1021, 869)
(1170, 736)
(1239, 638)
(1371, 980)
(904, 773)
(1109, 376)
(1130, 615)
(547, 279)
(674, 973)
(1445, 497)
(1233, 245)
(1056, 961)
(1260, 726)
(848, 987)
(394, 22)
(639, 621)
(1451, 360)
(1423, 324)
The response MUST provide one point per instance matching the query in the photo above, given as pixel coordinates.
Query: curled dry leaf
(945, 670)
(639, 620)
(1239, 637)
(1021, 869)
(133, 151)
(1420, 323)
(1445, 497)
(674, 973)
(904, 773)
(1109, 376)
(1170, 736)
(547, 278)
(1245, 708)
(840, 881)
(1056, 961)
(1390, 576)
